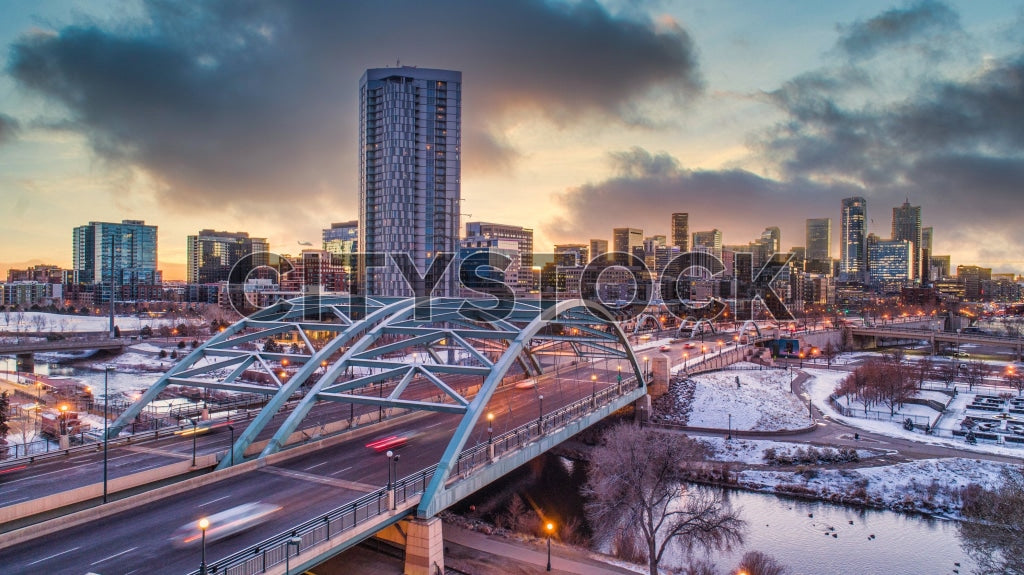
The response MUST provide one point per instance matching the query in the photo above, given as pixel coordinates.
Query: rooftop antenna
(398, 62)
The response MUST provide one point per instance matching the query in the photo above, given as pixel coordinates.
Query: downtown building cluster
(408, 241)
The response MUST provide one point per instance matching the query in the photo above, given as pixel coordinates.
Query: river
(808, 537)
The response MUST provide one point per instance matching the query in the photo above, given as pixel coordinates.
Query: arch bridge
(401, 355)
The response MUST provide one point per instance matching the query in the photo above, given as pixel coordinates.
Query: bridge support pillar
(424, 547)
(660, 373)
(26, 362)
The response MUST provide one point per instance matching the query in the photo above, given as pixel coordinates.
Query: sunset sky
(577, 116)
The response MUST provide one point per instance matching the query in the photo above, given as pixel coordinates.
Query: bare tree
(830, 351)
(758, 563)
(636, 481)
(924, 370)
(992, 537)
(947, 372)
(976, 372)
(1016, 380)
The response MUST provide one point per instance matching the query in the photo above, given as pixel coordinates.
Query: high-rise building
(819, 239)
(681, 231)
(625, 241)
(410, 138)
(342, 240)
(853, 224)
(571, 255)
(926, 254)
(211, 255)
(892, 263)
(598, 248)
(906, 225)
(132, 266)
(709, 241)
(523, 238)
(941, 267)
(972, 278)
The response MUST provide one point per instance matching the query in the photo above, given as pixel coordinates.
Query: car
(223, 524)
(389, 442)
(526, 384)
(689, 345)
(961, 354)
(664, 348)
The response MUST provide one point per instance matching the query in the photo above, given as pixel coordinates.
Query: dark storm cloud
(225, 101)
(648, 187)
(922, 26)
(8, 128)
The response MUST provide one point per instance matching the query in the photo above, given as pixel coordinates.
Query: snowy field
(751, 451)
(928, 485)
(18, 321)
(761, 402)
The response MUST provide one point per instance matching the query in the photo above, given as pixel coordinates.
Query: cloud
(9, 128)
(247, 103)
(924, 27)
(647, 188)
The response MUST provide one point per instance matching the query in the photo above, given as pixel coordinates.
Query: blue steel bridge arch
(435, 338)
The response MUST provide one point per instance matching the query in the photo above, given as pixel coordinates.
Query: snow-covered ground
(824, 382)
(18, 321)
(762, 401)
(751, 451)
(928, 485)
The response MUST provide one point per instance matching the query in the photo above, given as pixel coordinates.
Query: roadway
(137, 541)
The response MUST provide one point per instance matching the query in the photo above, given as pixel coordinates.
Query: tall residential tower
(410, 126)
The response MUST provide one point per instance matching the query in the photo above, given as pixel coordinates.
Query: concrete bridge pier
(423, 542)
(26, 362)
(642, 410)
(660, 374)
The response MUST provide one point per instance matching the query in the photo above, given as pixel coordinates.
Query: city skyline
(571, 147)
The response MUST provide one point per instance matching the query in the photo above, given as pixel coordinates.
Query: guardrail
(271, 551)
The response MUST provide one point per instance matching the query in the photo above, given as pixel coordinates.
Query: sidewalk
(501, 556)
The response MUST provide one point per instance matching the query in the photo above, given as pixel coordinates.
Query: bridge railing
(271, 551)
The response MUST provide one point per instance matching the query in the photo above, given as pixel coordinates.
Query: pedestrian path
(563, 559)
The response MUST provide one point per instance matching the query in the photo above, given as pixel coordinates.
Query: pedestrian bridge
(397, 355)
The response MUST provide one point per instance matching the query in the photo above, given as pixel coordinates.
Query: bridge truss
(430, 355)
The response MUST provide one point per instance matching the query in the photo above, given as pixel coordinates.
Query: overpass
(935, 337)
(25, 348)
(426, 358)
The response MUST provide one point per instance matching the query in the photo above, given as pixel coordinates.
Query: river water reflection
(810, 538)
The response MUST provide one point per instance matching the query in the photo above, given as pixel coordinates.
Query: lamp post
(647, 368)
(106, 374)
(540, 417)
(389, 454)
(231, 447)
(394, 461)
(194, 422)
(490, 428)
(550, 528)
(63, 419)
(593, 388)
(204, 523)
(728, 437)
(292, 542)
(801, 360)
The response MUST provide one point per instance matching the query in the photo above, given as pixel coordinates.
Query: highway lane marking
(15, 500)
(340, 471)
(316, 465)
(152, 451)
(114, 555)
(42, 474)
(214, 500)
(353, 485)
(52, 556)
(435, 425)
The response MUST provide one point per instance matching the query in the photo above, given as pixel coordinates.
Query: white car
(223, 524)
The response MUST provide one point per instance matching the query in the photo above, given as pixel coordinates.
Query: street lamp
(550, 528)
(730, 428)
(63, 419)
(106, 394)
(231, 447)
(490, 428)
(647, 367)
(540, 418)
(204, 523)
(194, 423)
(389, 454)
(292, 542)
(801, 355)
(593, 384)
